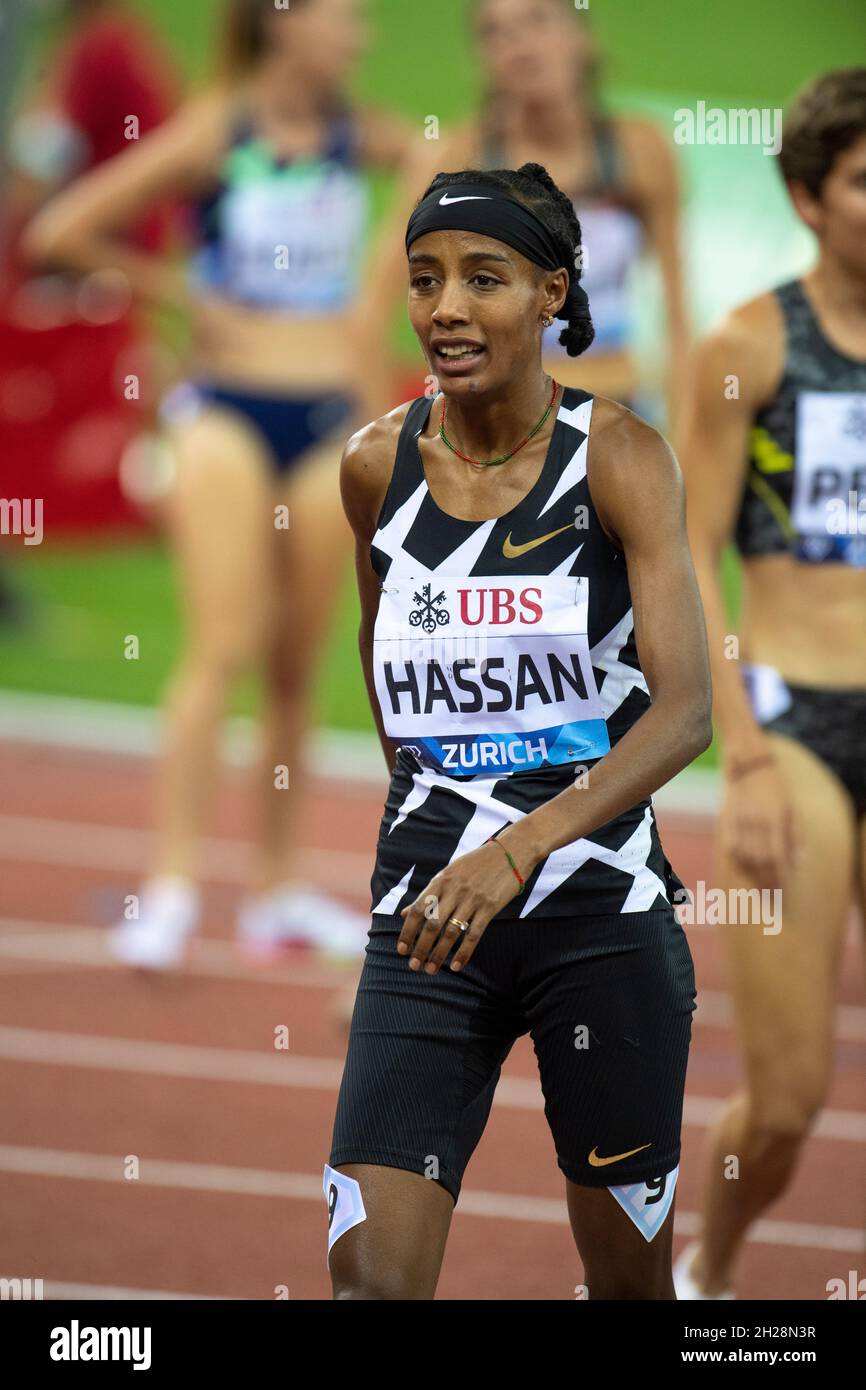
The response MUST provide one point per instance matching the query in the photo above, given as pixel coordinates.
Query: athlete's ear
(807, 207)
(555, 288)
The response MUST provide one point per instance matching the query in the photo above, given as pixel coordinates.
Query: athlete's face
(327, 36)
(838, 216)
(531, 47)
(476, 306)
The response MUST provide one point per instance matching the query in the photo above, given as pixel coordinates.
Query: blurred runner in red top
(65, 422)
(107, 82)
(113, 70)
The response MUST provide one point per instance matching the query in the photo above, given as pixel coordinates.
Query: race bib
(486, 676)
(293, 241)
(648, 1203)
(829, 503)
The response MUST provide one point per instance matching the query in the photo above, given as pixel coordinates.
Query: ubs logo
(500, 606)
(427, 615)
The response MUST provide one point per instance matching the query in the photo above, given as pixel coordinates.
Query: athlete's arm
(79, 228)
(737, 370)
(638, 493)
(365, 471)
(656, 178)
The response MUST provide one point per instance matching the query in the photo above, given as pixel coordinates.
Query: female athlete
(534, 649)
(779, 466)
(275, 162)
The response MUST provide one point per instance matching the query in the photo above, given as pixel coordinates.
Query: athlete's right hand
(757, 827)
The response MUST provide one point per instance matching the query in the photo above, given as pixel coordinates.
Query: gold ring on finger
(455, 921)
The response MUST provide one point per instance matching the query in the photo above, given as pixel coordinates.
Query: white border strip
(497, 1206)
(338, 755)
(53, 1291)
(203, 1063)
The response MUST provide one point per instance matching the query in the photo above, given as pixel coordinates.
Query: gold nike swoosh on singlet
(511, 552)
(615, 1158)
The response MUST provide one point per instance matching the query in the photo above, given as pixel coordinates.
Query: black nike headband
(469, 207)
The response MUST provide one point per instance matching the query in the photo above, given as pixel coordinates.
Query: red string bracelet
(514, 868)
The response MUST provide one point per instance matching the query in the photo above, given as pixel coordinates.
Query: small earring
(546, 320)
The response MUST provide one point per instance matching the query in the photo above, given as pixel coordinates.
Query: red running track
(100, 1068)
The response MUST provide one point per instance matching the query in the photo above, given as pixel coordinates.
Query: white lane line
(135, 731)
(54, 1290)
(341, 755)
(48, 1048)
(47, 942)
(209, 959)
(169, 1059)
(123, 849)
(110, 849)
(257, 1182)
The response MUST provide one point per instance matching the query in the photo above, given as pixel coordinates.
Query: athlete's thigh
(314, 550)
(861, 871)
(610, 1002)
(423, 1060)
(396, 1251)
(783, 971)
(221, 522)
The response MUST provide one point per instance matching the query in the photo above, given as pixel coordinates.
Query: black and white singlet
(805, 491)
(505, 667)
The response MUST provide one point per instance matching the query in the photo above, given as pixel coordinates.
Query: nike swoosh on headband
(466, 198)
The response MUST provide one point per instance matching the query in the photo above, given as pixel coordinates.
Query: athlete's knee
(227, 654)
(372, 1289)
(357, 1279)
(288, 677)
(780, 1115)
(629, 1285)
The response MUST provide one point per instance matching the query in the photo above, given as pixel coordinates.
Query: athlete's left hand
(472, 890)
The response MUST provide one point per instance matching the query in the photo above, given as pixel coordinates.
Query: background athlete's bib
(485, 676)
(828, 507)
(294, 241)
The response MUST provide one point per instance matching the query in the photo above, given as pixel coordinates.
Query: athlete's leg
(396, 1253)
(861, 872)
(219, 517)
(783, 988)
(311, 557)
(610, 1002)
(618, 1260)
(425, 1054)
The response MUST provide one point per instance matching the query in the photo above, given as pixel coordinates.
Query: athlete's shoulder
(639, 135)
(617, 431)
(200, 127)
(385, 139)
(631, 467)
(649, 160)
(750, 324)
(367, 465)
(748, 344)
(456, 147)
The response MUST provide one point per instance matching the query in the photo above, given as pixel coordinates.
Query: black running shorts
(832, 724)
(608, 1003)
